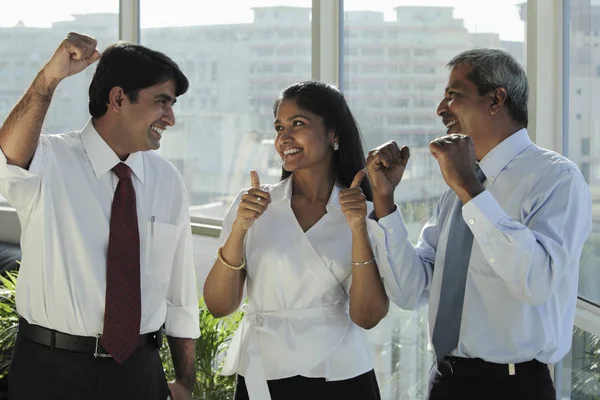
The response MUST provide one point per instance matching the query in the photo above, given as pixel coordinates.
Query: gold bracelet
(363, 263)
(225, 263)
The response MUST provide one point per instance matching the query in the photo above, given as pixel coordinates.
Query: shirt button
(471, 221)
(492, 260)
(390, 230)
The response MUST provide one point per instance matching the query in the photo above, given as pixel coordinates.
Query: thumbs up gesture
(354, 203)
(253, 204)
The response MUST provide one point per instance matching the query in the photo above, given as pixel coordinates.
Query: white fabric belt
(253, 321)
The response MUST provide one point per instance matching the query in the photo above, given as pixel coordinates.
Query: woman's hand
(253, 205)
(354, 203)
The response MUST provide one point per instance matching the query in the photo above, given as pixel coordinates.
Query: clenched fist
(74, 54)
(456, 156)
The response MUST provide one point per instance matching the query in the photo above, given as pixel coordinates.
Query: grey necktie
(456, 264)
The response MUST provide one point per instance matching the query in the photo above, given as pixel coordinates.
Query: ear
(116, 96)
(333, 138)
(498, 97)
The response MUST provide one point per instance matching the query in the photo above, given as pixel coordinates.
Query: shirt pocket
(160, 252)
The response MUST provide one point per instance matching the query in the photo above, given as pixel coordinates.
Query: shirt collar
(499, 157)
(103, 158)
(283, 190)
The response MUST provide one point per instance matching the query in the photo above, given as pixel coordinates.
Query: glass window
(581, 368)
(31, 30)
(238, 55)
(416, 41)
(584, 127)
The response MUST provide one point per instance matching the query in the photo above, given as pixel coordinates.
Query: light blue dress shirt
(529, 226)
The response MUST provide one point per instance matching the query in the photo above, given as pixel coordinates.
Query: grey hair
(495, 68)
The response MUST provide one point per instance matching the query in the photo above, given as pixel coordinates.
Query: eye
(162, 101)
(278, 128)
(298, 123)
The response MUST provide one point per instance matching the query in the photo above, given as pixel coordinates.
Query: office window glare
(395, 55)
(238, 56)
(30, 31)
(584, 126)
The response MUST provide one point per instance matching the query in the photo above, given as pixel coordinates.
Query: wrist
(45, 85)
(359, 229)
(467, 192)
(384, 205)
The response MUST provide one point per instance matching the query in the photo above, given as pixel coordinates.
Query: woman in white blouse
(303, 247)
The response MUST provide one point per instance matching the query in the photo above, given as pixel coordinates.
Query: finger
(254, 198)
(255, 179)
(94, 57)
(382, 159)
(254, 193)
(350, 192)
(358, 179)
(355, 198)
(404, 155)
(435, 148)
(258, 208)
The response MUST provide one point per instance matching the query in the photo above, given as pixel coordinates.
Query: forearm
(20, 133)
(368, 300)
(183, 354)
(224, 286)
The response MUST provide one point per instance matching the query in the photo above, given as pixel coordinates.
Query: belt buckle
(97, 353)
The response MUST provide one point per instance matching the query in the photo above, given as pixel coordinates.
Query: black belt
(459, 367)
(83, 344)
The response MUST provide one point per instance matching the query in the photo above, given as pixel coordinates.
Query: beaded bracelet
(225, 263)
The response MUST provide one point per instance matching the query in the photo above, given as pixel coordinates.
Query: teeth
(158, 130)
(291, 151)
(449, 124)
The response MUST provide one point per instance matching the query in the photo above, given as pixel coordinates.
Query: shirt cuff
(183, 322)
(391, 227)
(483, 213)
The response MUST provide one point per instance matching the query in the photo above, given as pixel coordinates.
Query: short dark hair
(132, 67)
(495, 68)
(329, 103)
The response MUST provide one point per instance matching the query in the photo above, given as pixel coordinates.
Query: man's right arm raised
(20, 132)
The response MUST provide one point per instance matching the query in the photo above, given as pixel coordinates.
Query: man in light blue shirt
(507, 309)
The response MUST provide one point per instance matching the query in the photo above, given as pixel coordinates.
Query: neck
(495, 137)
(112, 136)
(314, 187)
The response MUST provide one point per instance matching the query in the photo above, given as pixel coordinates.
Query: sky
(499, 16)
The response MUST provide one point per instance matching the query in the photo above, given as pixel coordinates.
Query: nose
(169, 116)
(284, 136)
(442, 107)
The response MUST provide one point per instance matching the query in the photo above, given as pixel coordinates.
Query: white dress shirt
(529, 227)
(296, 320)
(64, 204)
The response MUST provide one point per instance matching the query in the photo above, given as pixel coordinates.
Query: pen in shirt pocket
(152, 219)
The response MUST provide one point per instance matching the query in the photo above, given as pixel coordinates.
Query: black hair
(132, 67)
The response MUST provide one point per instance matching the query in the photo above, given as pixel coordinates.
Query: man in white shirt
(107, 247)
(498, 261)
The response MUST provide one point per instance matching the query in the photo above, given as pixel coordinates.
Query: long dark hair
(329, 103)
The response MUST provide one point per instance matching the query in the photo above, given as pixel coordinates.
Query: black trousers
(362, 387)
(477, 379)
(39, 372)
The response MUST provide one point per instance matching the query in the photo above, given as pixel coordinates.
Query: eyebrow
(293, 117)
(166, 97)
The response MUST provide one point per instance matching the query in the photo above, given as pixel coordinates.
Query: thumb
(358, 178)
(255, 179)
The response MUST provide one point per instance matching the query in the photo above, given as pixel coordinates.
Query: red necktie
(123, 307)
